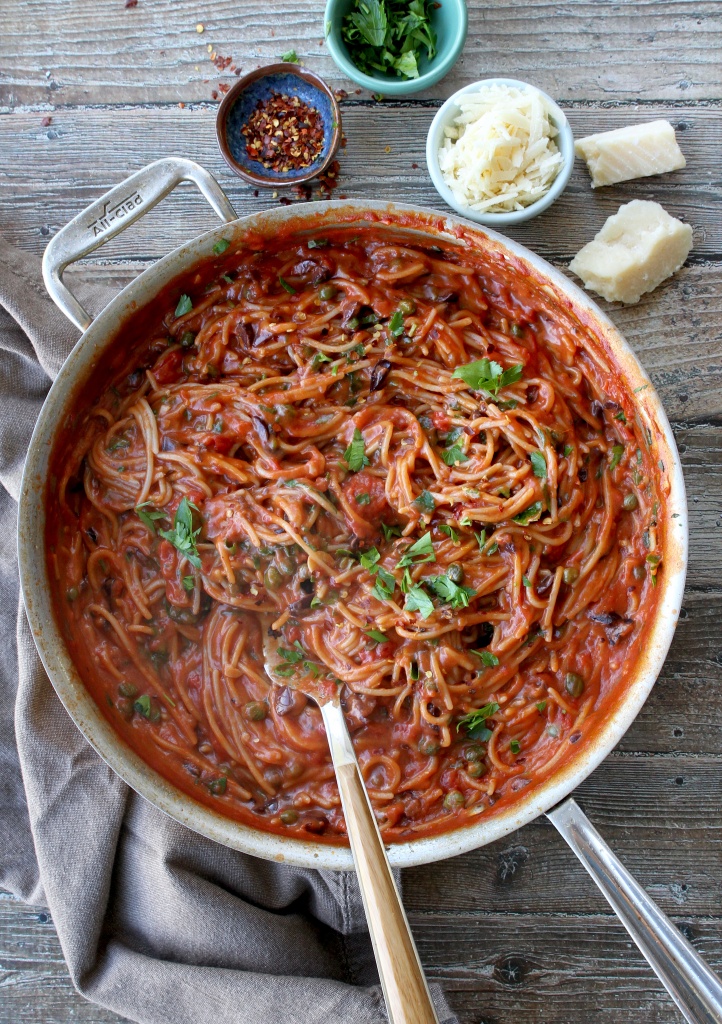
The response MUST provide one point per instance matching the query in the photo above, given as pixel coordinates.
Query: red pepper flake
(131, 3)
(415, 167)
(340, 94)
(223, 87)
(283, 133)
(46, 122)
(285, 201)
(214, 94)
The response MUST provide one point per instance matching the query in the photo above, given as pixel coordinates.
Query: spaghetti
(430, 477)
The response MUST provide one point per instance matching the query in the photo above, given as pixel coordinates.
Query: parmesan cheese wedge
(636, 249)
(633, 152)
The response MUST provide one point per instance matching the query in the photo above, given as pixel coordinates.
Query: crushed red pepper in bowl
(283, 133)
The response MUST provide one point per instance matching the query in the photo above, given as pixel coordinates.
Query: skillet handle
(112, 213)
(695, 988)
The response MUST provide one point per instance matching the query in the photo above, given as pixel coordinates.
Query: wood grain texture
(78, 157)
(90, 51)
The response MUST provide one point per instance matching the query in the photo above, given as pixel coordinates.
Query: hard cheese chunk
(636, 250)
(633, 152)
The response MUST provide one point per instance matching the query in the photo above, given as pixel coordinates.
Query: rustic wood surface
(516, 931)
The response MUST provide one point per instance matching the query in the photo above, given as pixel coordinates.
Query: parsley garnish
(369, 559)
(189, 583)
(417, 600)
(183, 536)
(319, 358)
(454, 594)
(617, 453)
(474, 722)
(425, 501)
(621, 417)
(390, 531)
(388, 36)
(489, 659)
(363, 499)
(221, 246)
(567, 450)
(286, 286)
(148, 518)
(184, 306)
(529, 515)
(514, 746)
(450, 532)
(420, 552)
(396, 323)
(376, 635)
(487, 376)
(317, 243)
(481, 539)
(385, 585)
(454, 455)
(539, 464)
(541, 706)
(355, 456)
(290, 57)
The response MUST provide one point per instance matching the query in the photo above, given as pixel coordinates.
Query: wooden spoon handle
(402, 979)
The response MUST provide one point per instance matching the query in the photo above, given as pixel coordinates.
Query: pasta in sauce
(420, 466)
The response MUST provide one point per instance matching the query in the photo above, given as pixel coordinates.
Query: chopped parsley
(183, 536)
(453, 455)
(389, 36)
(475, 721)
(189, 583)
(149, 517)
(539, 464)
(319, 358)
(488, 376)
(417, 600)
(420, 552)
(621, 417)
(286, 286)
(567, 450)
(317, 243)
(356, 458)
(385, 585)
(184, 306)
(425, 501)
(221, 245)
(617, 453)
(396, 324)
(450, 532)
(363, 499)
(450, 592)
(290, 57)
(514, 746)
(390, 531)
(529, 515)
(376, 635)
(541, 706)
(489, 659)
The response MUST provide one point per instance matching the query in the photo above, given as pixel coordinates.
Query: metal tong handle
(695, 988)
(402, 977)
(112, 213)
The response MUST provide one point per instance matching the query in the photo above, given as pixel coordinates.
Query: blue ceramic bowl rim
(565, 141)
(440, 66)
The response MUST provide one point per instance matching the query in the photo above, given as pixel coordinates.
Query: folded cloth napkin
(156, 922)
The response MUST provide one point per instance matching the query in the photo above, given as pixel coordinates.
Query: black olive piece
(92, 534)
(597, 409)
(302, 605)
(532, 393)
(379, 374)
(582, 474)
(275, 633)
(545, 584)
(611, 405)
(484, 634)
(262, 428)
(307, 586)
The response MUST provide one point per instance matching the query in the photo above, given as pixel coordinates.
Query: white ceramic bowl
(445, 118)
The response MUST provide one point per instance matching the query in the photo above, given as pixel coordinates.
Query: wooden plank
(78, 157)
(71, 53)
(548, 969)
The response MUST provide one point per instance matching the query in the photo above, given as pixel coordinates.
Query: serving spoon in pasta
(402, 978)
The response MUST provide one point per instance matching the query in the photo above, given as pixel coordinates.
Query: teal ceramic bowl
(449, 22)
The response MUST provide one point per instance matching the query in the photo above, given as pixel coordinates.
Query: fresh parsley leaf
(148, 518)
(390, 531)
(529, 515)
(363, 498)
(116, 443)
(481, 539)
(317, 243)
(406, 65)
(142, 705)
(425, 501)
(355, 455)
(396, 323)
(385, 585)
(525, 581)
(183, 536)
(454, 455)
(319, 358)
(290, 57)
(369, 559)
(420, 552)
(487, 376)
(541, 706)
(474, 722)
(453, 593)
(189, 582)
(389, 36)
(539, 464)
(370, 20)
(567, 450)
(184, 306)
(221, 245)
(286, 286)
(450, 532)
(292, 657)
(621, 417)
(489, 659)
(376, 635)
(617, 453)
(417, 600)
(514, 746)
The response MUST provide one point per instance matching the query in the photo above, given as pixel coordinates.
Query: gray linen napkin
(156, 923)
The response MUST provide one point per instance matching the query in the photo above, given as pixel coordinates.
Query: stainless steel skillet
(695, 989)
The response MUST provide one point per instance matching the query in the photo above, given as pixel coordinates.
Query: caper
(256, 710)
(574, 684)
(218, 786)
(127, 689)
(630, 502)
(455, 572)
(328, 292)
(294, 769)
(272, 578)
(187, 339)
(289, 817)
(428, 746)
(472, 752)
(285, 563)
(72, 593)
(407, 307)
(454, 800)
(571, 574)
(476, 769)
(517, 330)
(125, 707)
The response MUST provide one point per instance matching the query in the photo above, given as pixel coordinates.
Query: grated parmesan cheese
(499, 155)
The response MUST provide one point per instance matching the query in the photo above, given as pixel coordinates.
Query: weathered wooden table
(516, 931)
